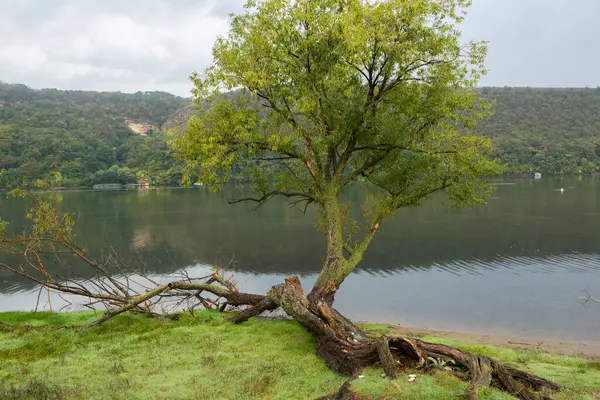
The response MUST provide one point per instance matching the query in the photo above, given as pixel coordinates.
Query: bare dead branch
(267, 196)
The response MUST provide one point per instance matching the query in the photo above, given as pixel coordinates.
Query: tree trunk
(327, 282)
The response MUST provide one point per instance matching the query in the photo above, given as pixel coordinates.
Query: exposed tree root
(347, 354)
(382, 347)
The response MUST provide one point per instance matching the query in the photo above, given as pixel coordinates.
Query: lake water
(516, 266)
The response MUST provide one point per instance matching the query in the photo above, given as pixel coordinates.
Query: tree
(328, 92)
(332, 91)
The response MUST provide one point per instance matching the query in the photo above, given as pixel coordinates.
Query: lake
(515, 266)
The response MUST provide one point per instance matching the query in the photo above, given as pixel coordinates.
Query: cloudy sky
(155, 44)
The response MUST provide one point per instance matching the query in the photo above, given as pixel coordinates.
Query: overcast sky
(132, 45)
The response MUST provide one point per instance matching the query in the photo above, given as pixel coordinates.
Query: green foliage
(49, 222)
(349, 94)
(66, 138)
(207, 357)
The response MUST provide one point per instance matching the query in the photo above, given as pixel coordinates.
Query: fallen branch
(266, 304)
(131, 305)
(538, 344)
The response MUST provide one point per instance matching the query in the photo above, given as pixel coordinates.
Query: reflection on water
(517, 265)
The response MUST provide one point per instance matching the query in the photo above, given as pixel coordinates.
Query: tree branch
(291, 118)
(358, 69)
(276, 158)
(348, 249)
(266, 196)
(388, 85)
(361, 248)
(260, 145)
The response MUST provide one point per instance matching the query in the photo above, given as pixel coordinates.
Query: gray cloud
(543, 43)
(156, 44)
(223, 9)
(107, 44)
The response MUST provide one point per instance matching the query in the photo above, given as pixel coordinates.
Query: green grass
(55, 357)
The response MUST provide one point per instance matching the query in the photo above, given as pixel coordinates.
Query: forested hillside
(71, 138)
(83, 138)
(554, 131)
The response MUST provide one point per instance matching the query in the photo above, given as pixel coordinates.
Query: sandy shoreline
(587, 349)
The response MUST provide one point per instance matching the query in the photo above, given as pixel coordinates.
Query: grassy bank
(55, 357)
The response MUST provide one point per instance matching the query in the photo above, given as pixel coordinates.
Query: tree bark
(327, 282)
(131, 305)
(265, 305)
(382, 347)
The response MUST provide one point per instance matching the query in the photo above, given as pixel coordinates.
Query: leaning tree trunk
(346, 350)
(328, 280)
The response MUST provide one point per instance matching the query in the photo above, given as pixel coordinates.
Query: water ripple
(574, 263)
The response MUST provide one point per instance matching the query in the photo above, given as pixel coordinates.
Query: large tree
(330, 91)
(311, 96)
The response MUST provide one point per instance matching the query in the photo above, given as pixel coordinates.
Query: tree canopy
(338, 91)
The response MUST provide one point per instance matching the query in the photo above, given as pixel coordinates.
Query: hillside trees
(83, 136)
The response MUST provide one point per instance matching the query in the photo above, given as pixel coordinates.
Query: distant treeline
(74, 138)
